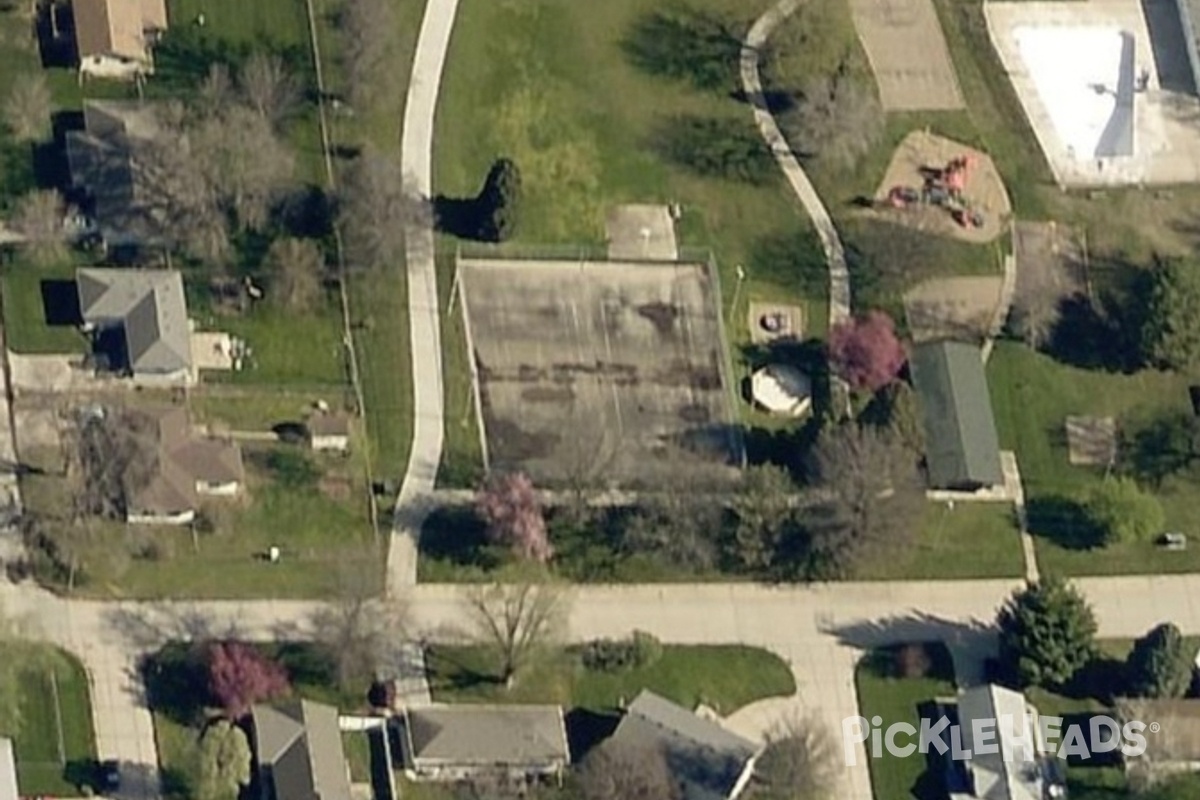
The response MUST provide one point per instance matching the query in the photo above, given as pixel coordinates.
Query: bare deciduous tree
(39, 218)
(297, 270)
(799, 763)
(27, 108)
(679, 524)
(245, 163)
(114, 458)
(871, 496)
(268, 88)
(836, 118)
(620, 771)
(362, 632)
(216, 91)
(366, 27)
(515, 620)
(375, 210)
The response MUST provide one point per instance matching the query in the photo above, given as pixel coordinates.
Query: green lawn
(287, 348)
(358, 754)
(583, 124)
(256, 408)
(1032, 395)
(975, 540)
(27, 327)
(55, 735)
(897, 699)
(279, 22)
(319, 536)
(725, 677)
(380, 296)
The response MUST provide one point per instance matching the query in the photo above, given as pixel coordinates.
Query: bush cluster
(618, 655)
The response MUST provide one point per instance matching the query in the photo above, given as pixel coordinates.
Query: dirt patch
(908, 54)
(1091, 441)
(914, 172)
(952, 308)
(1051, 271)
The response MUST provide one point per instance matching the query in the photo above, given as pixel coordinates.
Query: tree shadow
(447, 672)
(458, 216)
(54, 26)
(1164, 446)
(975, 635)
(456, 534)
(1103, 678)
(1106, 333)
(176, 681)
(685, 44)
(932, 783)
(1064, 521)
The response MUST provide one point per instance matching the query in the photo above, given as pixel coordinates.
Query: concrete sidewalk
(416, 158)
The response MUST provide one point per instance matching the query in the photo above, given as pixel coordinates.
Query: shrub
(1122, 512)
(912, 661)
(293, 469)
(619, 655)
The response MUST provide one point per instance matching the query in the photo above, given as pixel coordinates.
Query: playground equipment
(943, 188)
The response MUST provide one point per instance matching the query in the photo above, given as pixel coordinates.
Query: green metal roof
(961, 447)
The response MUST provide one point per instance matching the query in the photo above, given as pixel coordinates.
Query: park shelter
(962, 450)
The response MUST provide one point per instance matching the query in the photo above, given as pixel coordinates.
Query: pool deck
(1166, 138)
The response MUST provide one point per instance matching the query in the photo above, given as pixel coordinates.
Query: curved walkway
(416, 160)
(839, 277)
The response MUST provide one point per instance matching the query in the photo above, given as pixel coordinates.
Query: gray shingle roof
(706, 759)
(487, 735)
(149, 305)
(106, 160)
(961, 447)
(299, 747)
(1009, 771)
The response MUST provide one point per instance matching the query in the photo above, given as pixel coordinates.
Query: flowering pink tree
(240, 676)
(865, 352)
(509, 507)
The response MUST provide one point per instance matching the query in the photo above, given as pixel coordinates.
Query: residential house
(187, 467)
(1014, 766)
(707, 761)
(962, 451)
(1175, 747)
(328, 430)
(114, 37)
(298, 752)
(141, 316)
(457, 742)
(109, 161)
(8, 771)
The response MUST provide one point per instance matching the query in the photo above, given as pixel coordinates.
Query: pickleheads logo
(1014, 739)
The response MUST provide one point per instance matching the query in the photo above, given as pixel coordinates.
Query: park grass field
(724, 677)
(1032, 394)
(550, 85)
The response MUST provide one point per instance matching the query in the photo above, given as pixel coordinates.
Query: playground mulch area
(908, 54)
(952, 308)
(922, 153)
